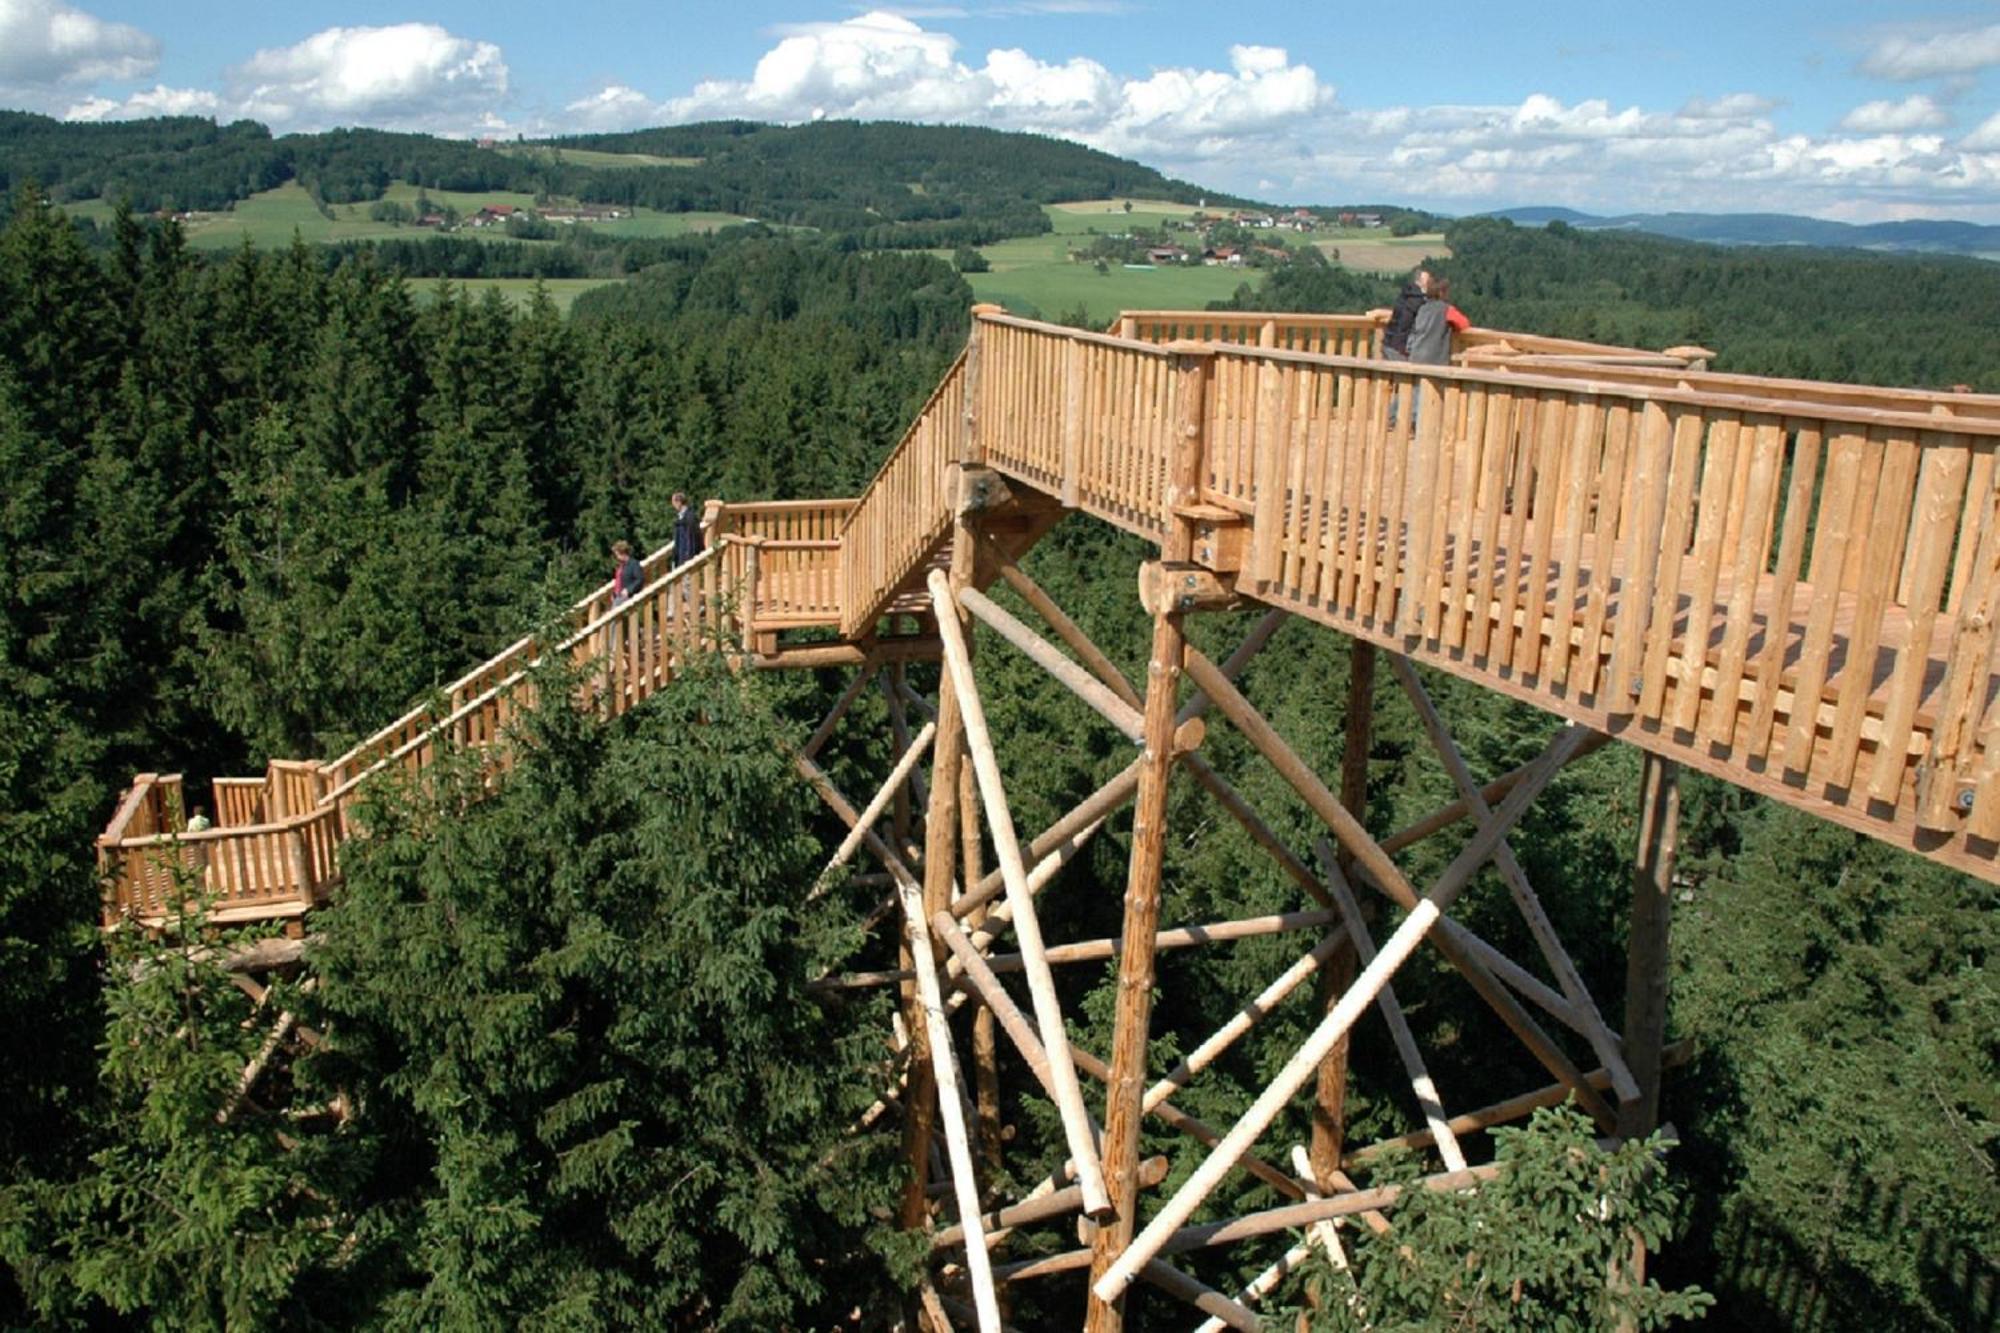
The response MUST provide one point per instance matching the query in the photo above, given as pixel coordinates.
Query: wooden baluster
(1670, 561)
(1972, 525)
(1878, 575)
(1496, 457)
(1713, 519)
(1940, 489)
(1750, 515)
(1582, 472)
(1784, 584)
(1446, 590)
(1613, 501)
(1535, 412)
(1836, 515)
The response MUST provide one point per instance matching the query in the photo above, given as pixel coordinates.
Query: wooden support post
(1422, 916)
(1286, 1218)
(1329, 1123)
(1126, 1094)
(1595, 1029)
(941, 831)
(824, 731)
(945, 1077)
(1372, 860)
(941, 824)
(1201, 1296)
(985, 1049)
(864, 824)
(1505, 1112)
(1000, 825)
(1428, 1101)
(1647, 958)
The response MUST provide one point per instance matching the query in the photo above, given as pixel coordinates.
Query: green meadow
(269, 219)
(592, 157)
(1035, 273)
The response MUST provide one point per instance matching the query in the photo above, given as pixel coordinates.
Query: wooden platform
(1668, 556)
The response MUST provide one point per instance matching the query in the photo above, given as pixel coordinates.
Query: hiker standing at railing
(1403, 316)
(1402, 320)
(1430, 337)
(687, 530)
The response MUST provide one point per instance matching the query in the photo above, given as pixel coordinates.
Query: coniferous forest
(567, 1073)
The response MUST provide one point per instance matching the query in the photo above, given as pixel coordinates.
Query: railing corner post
(1194, 368)
(746, 612)
(971, 452)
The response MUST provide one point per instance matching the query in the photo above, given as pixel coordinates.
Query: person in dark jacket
(687, 530)
(1403, 319)
(1403, 316)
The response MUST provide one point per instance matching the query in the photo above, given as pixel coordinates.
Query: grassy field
(645, 222)
(1375, 251)
(563, 291)
(270, 218)
(1035, 272)
(592, 157)
(1106, 217)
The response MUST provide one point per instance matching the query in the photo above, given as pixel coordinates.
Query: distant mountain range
(1926, 237)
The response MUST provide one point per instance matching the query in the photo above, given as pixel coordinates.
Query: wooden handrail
(1794, 585)
(1627, 547)
(256, 876)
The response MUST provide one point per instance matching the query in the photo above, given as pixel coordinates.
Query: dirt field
(1375, 251)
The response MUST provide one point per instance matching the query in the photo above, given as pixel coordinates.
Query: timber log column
(1125, 1094)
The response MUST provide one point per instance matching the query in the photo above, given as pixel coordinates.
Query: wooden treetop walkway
(1786, 584)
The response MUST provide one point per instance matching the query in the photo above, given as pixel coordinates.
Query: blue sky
(1838, 109)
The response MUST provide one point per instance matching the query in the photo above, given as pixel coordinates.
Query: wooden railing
(283, 861)
(1797, 594)
(1084, 416)
(1331, 335)
(1792, 585)
(1360, 335)
(1948, 407)
(252, 872)
(785, 557)
(905, 511)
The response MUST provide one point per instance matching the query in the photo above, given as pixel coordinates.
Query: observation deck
(1786, 584)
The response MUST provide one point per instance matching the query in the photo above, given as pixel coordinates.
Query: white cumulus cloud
(1986, 138)
(406, 76)
(1258, 122)
(1915, 112)
(44, 43)
(885, 65)
(159, 100)
(1929, 55)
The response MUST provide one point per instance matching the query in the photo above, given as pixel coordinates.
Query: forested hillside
(255, 505)
(880, 185)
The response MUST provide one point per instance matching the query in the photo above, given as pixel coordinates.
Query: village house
(1167, 254)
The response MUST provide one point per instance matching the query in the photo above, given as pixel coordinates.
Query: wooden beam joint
(1175, 587)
